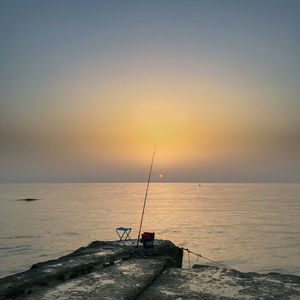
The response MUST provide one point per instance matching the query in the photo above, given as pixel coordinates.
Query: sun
(161, 176)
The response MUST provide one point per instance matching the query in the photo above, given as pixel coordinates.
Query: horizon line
(141, 182)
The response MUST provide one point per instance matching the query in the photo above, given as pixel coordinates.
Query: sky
(88, 87)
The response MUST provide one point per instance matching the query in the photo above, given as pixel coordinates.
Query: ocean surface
(250, 227)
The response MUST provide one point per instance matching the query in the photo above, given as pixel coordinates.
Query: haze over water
(250, 227)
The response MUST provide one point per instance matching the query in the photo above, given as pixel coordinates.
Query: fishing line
(199, 255)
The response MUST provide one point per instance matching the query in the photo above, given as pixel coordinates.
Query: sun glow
(128, 133)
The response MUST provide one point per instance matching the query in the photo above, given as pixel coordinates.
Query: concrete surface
(89, 265)
(207, 282)
(109, 270)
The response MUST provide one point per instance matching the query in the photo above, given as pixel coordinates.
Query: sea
(249, 227)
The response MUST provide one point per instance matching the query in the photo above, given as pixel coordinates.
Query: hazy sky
(86, 87)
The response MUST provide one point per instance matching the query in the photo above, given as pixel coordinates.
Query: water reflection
(247, 226)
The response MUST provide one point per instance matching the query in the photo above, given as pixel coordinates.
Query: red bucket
(148, 239)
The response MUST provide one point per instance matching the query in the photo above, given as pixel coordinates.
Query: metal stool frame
(125, 236)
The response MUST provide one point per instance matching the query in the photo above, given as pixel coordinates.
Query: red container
(148, 236)
(148, 239)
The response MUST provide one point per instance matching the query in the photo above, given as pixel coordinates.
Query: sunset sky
(87, 87)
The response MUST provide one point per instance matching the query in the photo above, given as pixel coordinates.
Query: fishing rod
(146, 194)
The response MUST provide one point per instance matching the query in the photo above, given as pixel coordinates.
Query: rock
(125, 279)
(125, 270)
(207, 282)
(109, 270)
(28, 199)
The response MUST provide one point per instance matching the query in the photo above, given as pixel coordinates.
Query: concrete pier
(108, 270)
(102, 270)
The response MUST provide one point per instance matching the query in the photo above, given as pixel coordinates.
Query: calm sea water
(251, 227)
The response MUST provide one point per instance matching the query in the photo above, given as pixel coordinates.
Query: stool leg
(127, 236)
(121, 237)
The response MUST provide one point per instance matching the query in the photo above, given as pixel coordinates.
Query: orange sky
(86, 100)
